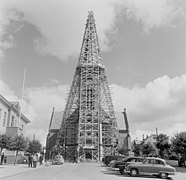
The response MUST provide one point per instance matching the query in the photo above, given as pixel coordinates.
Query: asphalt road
(80, 171)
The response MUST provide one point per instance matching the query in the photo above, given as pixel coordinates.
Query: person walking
(75, 159)
(30, 160)
(5, 158)
(41, 159)
(35, 159)
(2, 157)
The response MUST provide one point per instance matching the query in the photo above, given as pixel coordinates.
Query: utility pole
(22, 94)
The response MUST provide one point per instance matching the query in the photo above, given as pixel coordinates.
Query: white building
(150, 139)
(12, 122)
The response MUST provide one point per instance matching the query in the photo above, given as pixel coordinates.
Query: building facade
(54, 126)
(12, 122)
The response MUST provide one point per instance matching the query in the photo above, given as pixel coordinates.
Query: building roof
(56, 120)
(15, 107)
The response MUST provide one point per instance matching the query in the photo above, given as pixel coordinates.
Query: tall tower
(88, 129)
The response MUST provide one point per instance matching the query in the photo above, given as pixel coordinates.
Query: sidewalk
(10, 169)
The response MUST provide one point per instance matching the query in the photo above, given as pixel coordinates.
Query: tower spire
(88, 127)
(90, 49)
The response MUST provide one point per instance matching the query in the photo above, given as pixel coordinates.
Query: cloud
(8, 27)
(6, 91)
(161, 103)
(154, 13)
(41, 101)
(37, 106)
(61, 23)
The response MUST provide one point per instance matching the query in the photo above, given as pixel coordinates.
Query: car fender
(136, 166)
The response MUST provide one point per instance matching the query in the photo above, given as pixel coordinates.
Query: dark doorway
(88, 155)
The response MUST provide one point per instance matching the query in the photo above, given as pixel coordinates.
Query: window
(12, 121)
(159, 162)
(132, 160)
(138, 160)
(4, 120)
(149, 161)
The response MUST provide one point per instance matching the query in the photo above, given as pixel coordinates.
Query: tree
(179, 147)
(149, 149)
(137, 149)
(34, 146)
(17, 143)
(163, 145)
(123, 151)
(4, 141)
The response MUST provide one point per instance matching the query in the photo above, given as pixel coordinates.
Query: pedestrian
(5, 159)
(30, 160)
(35, 160)
(2, 157)
(75, 159)
(41, 159)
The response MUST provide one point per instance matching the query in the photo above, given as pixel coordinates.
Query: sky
(143, 45)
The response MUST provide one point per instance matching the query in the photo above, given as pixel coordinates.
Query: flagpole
(22, 94)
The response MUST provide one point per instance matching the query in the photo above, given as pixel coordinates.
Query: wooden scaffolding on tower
(88, 129)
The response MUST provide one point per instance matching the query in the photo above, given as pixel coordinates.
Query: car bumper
(126, 171)
(114, 169)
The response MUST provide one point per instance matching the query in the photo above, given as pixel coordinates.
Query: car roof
(133, 157)
(156, 158)
(136, 157)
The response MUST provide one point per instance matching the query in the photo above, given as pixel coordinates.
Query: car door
(158, 166)
(148, 166)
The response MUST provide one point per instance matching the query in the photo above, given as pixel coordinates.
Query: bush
(173, 157)
(172, 162)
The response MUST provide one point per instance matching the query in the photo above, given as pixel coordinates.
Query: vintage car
(109, 158)
(58, 159)
(130, 160)
(150, 166)
(119, 165)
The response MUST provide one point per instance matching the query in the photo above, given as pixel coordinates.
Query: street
(80, 171)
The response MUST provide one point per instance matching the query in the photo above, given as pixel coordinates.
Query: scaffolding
(88, 129)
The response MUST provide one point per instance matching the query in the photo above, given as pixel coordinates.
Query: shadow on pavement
(116, 173)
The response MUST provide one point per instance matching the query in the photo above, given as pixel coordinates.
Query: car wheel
(163, 175)
(133, 172)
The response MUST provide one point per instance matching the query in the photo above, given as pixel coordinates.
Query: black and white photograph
(92, 89)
